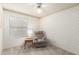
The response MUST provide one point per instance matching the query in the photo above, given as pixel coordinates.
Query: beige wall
(62, 29)
(0, 28)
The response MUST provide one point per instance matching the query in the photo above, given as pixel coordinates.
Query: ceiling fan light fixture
(39, 10)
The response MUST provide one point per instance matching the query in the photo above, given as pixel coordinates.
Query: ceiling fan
(39, 8)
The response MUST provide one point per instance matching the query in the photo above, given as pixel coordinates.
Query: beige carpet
(49, 50)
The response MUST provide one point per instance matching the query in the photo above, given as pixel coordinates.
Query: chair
(39, 39)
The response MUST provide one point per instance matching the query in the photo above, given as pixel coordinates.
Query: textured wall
(62, 29)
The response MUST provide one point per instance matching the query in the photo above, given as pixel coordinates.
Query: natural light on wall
(30, 32)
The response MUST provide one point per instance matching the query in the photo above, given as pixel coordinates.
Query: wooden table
(28, 42)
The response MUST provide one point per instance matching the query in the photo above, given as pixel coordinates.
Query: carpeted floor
(49, 50)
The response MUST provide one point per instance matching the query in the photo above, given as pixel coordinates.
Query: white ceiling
(50, 8)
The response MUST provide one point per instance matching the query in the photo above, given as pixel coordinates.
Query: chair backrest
(39, 34)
